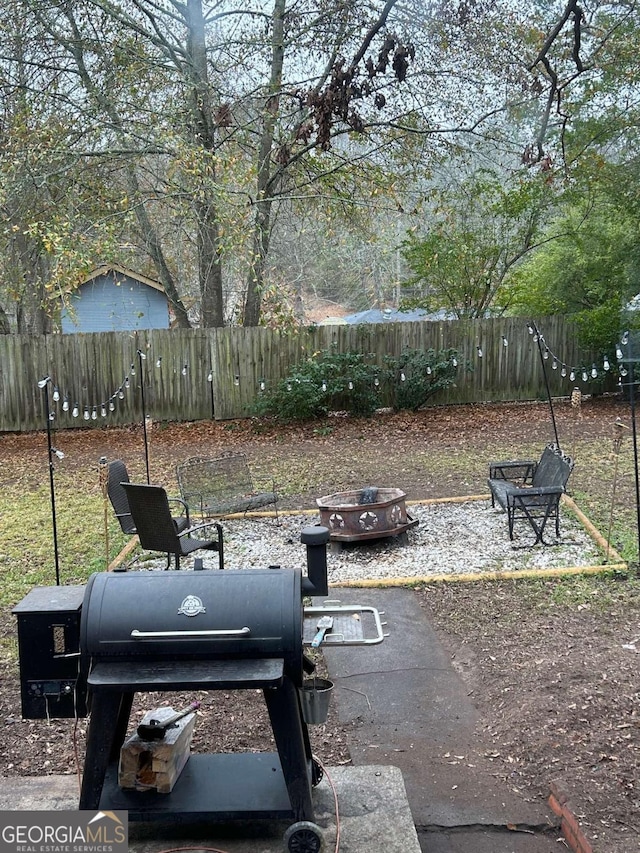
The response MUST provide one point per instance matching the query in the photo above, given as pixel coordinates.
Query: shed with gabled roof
(115, 299)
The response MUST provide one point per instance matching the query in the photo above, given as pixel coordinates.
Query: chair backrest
(553, 469)
(211, 481)
(151, 513)
(117, 495)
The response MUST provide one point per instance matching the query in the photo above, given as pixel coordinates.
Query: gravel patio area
(451, 538)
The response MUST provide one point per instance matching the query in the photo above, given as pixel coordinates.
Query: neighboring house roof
(104, 269)
(378, 315)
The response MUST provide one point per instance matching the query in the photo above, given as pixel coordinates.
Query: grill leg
(107, 728)
(283, 705)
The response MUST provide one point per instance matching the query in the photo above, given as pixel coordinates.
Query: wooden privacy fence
(193, 374)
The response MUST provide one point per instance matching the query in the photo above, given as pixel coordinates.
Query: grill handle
(164, 635)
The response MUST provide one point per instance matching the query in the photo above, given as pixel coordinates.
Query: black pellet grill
(185, 630)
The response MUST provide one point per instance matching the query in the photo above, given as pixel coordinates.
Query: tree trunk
(203, 129)
(264, 196)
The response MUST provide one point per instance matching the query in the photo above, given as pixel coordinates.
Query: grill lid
(249, 613)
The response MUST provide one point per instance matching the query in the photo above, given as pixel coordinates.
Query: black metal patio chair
(157, 530)
(117, 475)
(222, 486)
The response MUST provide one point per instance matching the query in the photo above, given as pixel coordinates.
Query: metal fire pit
(363, 514)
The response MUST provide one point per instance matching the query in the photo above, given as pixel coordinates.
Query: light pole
(44, 385)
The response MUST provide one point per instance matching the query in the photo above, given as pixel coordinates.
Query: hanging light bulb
(376, 382)
(236, 379)
(594, 372)
(159, 361)
(585, 375)
(545, 354)
(103, 410)
(142, 355)
(112, 405)
(572, 375)
(127, 384)
(625, 339)
(619, 354)
(479, 352)
(86, 414)
(94, 413)
(76, 411)
(184, 369)
(324, 385)
(623, 371)
(121, 393)
(606, 364)
(554, 364)
(505, 342)
(210, 376)
(52, 416)
(288, 386)
(403, 377)
(58, 453)
(563, 371)
(530, 328)
(454, 362)
(429, 370)
(350, 385)
(56, 394)
(536, 338)
(262, 385)
(132, 370)
(65, 404)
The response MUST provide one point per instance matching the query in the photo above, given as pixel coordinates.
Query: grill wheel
(304, 837)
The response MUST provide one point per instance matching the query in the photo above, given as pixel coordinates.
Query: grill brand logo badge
(64, 832)
(191, 606)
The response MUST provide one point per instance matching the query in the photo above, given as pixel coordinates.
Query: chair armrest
(522, 469)
(185, 508)
(198, 527)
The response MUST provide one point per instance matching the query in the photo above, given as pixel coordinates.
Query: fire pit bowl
(361, 514)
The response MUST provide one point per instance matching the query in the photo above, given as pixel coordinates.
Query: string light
(76, 410)
(350, 385)
(324, 385)
(121, 393)
(376, 382)
(585, 375)
(236, 380)
(127, 384)
(572, 376)
(545, 354)
(554, 364)
(619, 353)
(86, 414)
(65, 404)
(563, 371)
(210, 376)
(479, 352)
(103, 410)
(262, 385)
(94, 413)
(184, 369)
(505, 342)
(56, 394)
(159, 361)
(403, 377)
(132, 370)
(594, 372)
(112, 405)
(606, 364)
(454, 362)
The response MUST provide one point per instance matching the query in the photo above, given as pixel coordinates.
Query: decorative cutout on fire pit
(336, 521)
(397, 515)
(368, 521)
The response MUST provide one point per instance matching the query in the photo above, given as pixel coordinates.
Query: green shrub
(419, 374)
(325, 382)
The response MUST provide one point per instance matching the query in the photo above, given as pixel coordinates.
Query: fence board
(90, 369)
